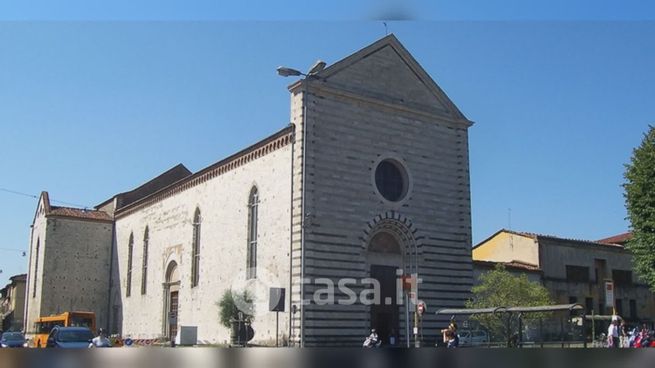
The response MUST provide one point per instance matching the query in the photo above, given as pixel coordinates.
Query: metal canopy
(471, 311)
(547, 308)
(537, 309)
(600, 317)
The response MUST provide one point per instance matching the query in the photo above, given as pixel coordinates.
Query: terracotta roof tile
(80, 213)
(620, 239)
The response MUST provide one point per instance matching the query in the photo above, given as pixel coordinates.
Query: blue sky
(333, 10)
(90, 109)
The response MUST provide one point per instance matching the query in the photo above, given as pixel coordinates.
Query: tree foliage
(640, 202)
(231, 304)
(499, 288)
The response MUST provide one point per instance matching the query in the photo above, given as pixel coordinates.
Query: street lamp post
(290, 72)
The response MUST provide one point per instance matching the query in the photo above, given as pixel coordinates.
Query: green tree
(499, 288)
(232, 303)
(640, 203)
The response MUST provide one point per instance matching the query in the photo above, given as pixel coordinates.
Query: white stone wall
(33, 301)
(223, 202)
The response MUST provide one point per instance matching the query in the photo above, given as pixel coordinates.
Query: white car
(473, 338)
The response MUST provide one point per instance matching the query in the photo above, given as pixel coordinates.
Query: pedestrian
(392, 338)
(450, 337)
(373, 340)
(100, 341)
(613, 333)
(623, 334)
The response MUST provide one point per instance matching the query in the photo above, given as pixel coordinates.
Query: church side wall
(223, 202)
(76, 256)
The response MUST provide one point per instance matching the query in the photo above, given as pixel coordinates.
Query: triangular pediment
(42, 207)
(386, 71)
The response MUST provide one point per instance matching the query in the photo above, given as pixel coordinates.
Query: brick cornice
(262, 148)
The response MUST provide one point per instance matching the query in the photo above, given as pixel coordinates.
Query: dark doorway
(173, 315)
(384, 316)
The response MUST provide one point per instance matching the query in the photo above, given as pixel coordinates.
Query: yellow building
(12, 303)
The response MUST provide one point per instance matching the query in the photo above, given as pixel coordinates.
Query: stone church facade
(371, 176)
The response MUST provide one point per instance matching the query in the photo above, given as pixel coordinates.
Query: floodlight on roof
(288, 72)
(317, 67)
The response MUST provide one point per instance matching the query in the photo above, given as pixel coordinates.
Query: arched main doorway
(171, 305)
(384, 258)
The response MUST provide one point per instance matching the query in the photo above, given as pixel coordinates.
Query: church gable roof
(44, 208)
(386, 71)
(79, 213)
(161, 181)
(269, 144)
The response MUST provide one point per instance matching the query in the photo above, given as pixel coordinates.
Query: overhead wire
(37, 197)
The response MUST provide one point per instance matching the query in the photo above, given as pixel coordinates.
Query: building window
(573, 299)
(589, 304)
(577, 273)
(600, 270)
(633, 309)
(36, 267)
(144, 268)
(391, 180)
(618, 305)
(251, 258)
(622, 277)
(130, 254)
(195, 250)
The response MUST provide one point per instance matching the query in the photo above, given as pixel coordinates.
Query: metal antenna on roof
(509, 227)
(386, 30)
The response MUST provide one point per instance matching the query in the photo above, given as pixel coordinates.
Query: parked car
(473, 338)
(69, 337)
(13, 340)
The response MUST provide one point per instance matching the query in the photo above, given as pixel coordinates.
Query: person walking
(450, 337)
(623, 334)
(613, 333)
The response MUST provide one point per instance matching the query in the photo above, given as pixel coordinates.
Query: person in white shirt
(613, 333)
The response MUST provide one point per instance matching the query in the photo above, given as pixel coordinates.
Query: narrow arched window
(36, 267)
(195, 249)
(251, 257)
(130, 254)
(144, 268)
